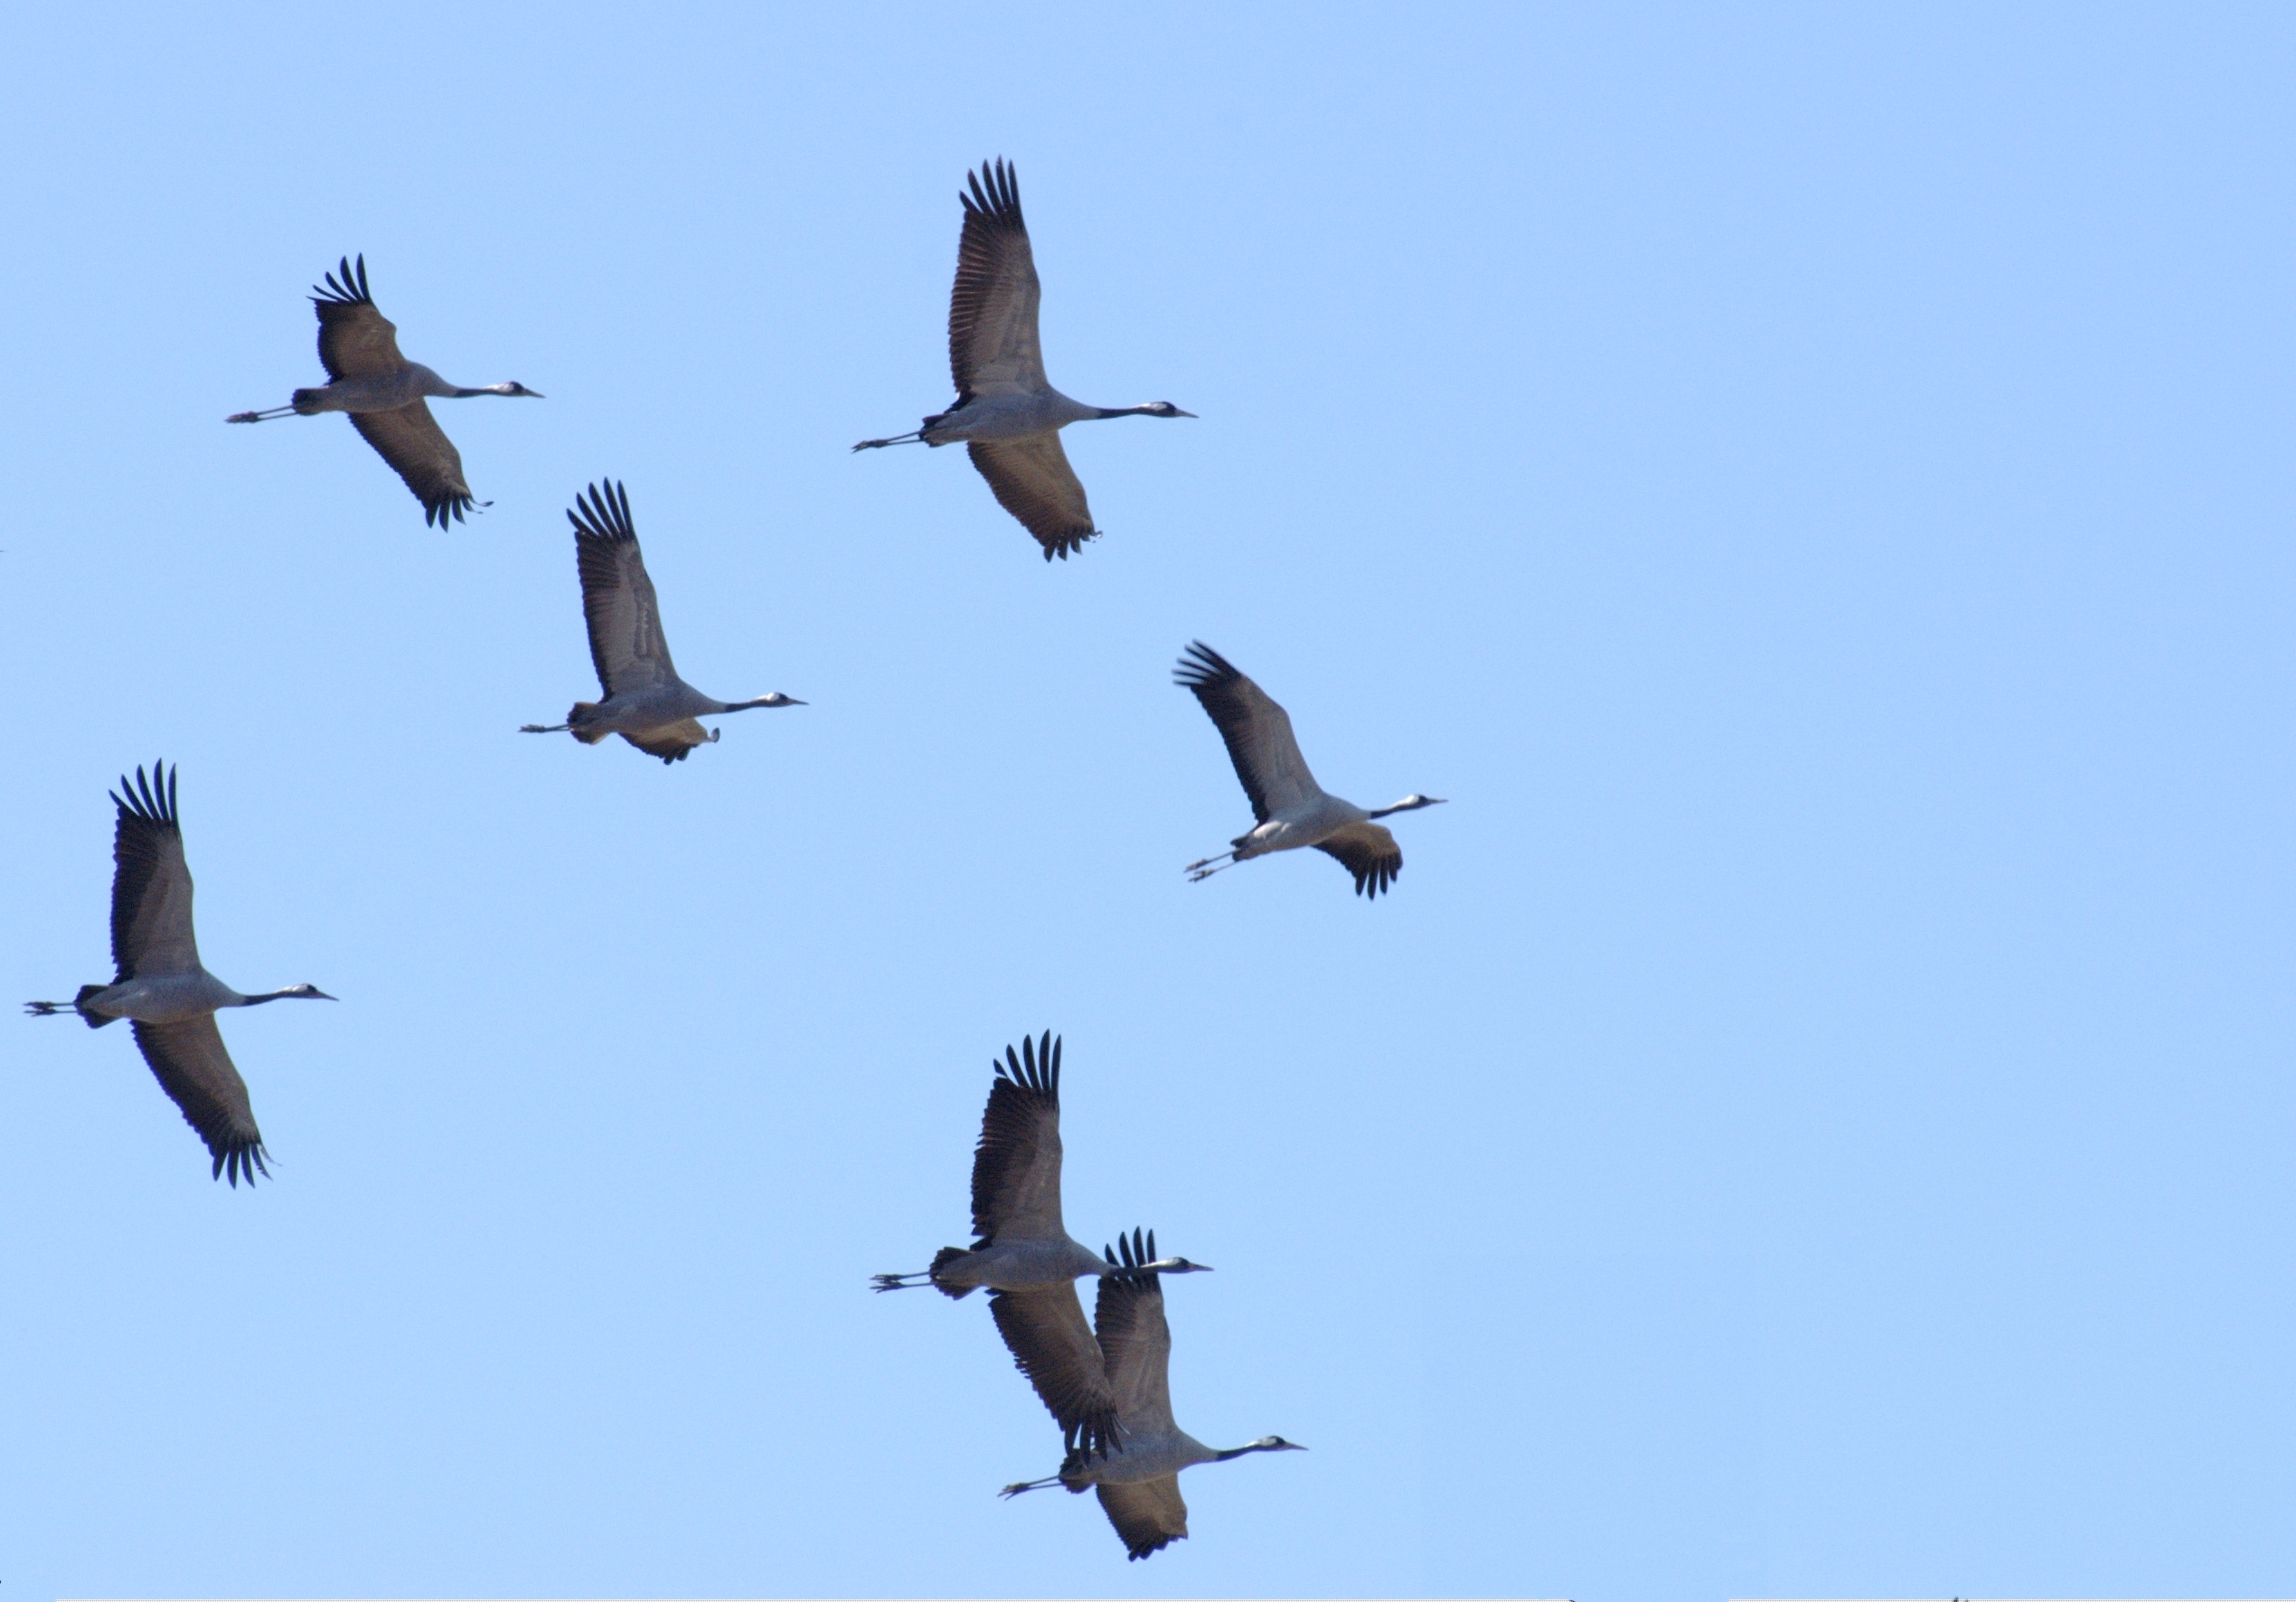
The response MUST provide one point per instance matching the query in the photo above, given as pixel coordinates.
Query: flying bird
(384, 395)
(646, 704)
(1139, 1484)
(161, 986)
(1024, 1254)
(1290, 808)
(1007, 411)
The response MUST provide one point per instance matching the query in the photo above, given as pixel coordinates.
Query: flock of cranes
(1104, 1382)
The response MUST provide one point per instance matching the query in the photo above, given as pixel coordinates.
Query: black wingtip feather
(604, 513)
(347, 286)
(1200, 667)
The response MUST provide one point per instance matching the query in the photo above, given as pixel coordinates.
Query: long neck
(1100, 411)
(1391, 811)
(268, 996)
(459, 393)
(1239, 1452)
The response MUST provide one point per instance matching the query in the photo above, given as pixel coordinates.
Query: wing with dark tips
(1032, 480)
(1369, 853)
(418, 449)
(1044, 1328)
(993, 308)
(355, 340)
(1257, 732)
(189, 1060)
(1135, 1348)
(151, 887)
(673, 742)
(627, 644)
(1148, 1515)
(1016, 1167)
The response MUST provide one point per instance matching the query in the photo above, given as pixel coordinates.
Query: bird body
(1290, 809)
(387, 391)
(1137, 1482)
(161, 984)
(1023, 1254)
(646, 703)
(1007, 412)
(384, 395)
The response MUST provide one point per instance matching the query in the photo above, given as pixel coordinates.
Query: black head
(1163, 408)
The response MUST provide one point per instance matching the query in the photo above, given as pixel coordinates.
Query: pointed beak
(1177, 412)
(319, 994)
(536, 395)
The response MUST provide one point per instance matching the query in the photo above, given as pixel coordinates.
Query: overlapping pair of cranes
(1107, 1387)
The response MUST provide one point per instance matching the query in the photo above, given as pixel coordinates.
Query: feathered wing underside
(1031, 479)
(1148, 1515)
(1135, 1347)
(418, 449)
(1044, 1328)
(191, 1066)
(355, 340)
(992, 307)
(1257, 732)
(673, 742)
(151, 886)
(1016, 1167)
(1369, 851)
(627, 644)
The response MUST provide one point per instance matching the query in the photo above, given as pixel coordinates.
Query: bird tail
(92, 1020)
(582, 713)
(941, 1259)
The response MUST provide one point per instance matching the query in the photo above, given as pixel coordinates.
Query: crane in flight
(646, 704)
(1025, 1253)
(1007, 411)
(160, 985)
(385, 395)
(1289, 808)
(1139, 1483)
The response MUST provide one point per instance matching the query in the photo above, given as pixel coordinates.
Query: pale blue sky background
(1810, 484)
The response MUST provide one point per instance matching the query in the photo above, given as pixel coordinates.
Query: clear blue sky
(1810, 485)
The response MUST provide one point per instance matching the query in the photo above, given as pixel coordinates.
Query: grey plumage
(1007, 411)
(1289, 808)
(160, 983)
(645, 702)
(384, 395)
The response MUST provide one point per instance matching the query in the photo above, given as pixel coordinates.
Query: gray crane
(1129, 1368)
(384, 393)
(1024, 1254)
(160, 985)
(646, 704)
(1290, 808)
(1007, 411)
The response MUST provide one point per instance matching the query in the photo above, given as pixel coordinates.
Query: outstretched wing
(627, 643)
(1258, 731)
(189, 1060)
(418, 449)
(1148, 1515)
(355, 340)
(151, 887)
(1135, 1347)
(673, 742)
(1369, 853)
(1032, 480)
(993, 308)
(1044, 1328)
(1016, 1167)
